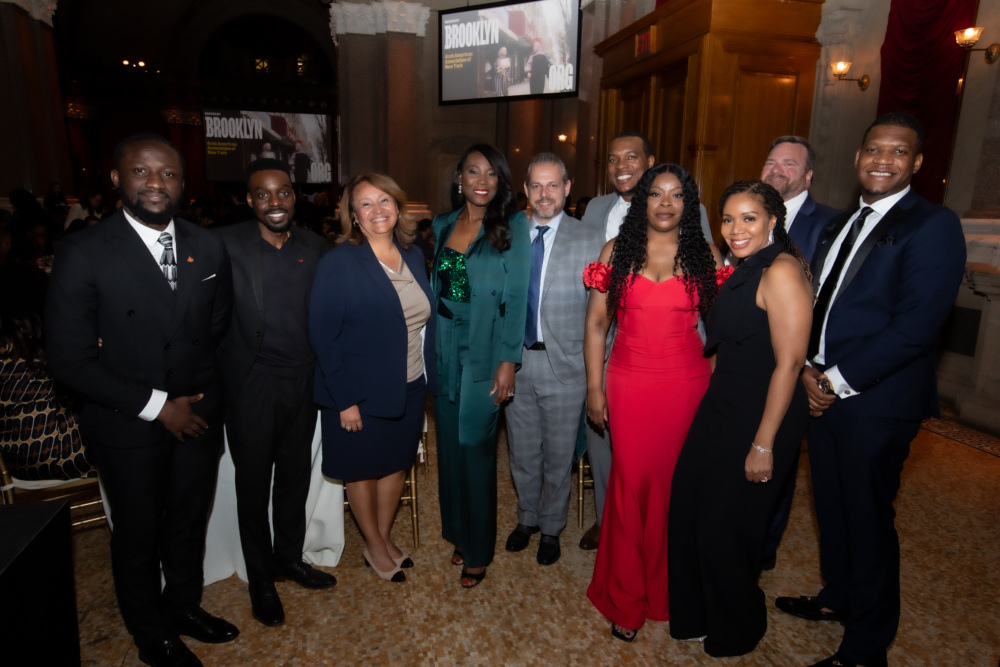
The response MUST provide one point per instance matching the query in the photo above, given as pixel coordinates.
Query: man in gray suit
(544, 417)
(630, 154)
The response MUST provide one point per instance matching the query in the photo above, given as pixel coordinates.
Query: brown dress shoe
(591, 538)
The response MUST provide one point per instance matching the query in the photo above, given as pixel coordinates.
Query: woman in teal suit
(481, 281)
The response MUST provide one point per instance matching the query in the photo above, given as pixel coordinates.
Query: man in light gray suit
(630, 154)
(544, 417)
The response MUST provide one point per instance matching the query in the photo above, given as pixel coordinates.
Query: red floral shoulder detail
(597, 275)
(722, 275)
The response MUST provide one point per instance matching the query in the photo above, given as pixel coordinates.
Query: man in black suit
(886, 278)
(136, 308)
(789, 169)
(268, 365)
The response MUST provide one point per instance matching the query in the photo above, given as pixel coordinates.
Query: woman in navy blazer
(371, 323)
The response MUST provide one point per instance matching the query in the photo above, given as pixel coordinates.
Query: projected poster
(510, 49)
(234, 139)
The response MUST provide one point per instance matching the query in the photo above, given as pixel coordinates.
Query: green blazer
(499, 284)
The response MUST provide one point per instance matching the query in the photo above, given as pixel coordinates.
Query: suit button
(256, 334)
(166, 346)
(847, 392)
(130, 312)
(493, 292)
(194, 342)
(170, 374)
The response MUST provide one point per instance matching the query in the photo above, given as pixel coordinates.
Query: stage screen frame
(233, 138)
(480, 83)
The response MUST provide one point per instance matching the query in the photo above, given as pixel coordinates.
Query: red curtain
(921, 66)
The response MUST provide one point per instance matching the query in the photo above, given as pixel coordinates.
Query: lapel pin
(190, 258)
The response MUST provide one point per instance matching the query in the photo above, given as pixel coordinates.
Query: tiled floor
(524, 614)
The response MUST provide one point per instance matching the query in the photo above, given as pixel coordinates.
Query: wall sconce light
(564, 139)
(967, 39)
(840, 70)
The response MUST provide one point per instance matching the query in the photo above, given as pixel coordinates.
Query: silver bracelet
(760, 449)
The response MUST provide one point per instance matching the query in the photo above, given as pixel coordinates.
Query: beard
(276, 227)
(144, 215)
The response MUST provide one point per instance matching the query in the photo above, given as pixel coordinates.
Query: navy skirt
(381, 447)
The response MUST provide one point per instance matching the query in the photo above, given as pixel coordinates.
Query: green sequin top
(454, 276)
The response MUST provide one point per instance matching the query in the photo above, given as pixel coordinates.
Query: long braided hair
(694, 258)
(773, 205)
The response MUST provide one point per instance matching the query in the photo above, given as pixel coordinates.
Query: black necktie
(535, 287)
(829, 287)
(167, 262)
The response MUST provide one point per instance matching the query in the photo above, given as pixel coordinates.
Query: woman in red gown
(652, 281)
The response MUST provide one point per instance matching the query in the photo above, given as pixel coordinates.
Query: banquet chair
(584, 480)
(83, 494)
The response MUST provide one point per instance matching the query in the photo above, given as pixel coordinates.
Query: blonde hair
(405, 230)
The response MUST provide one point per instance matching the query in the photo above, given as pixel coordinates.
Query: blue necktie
(535, 287)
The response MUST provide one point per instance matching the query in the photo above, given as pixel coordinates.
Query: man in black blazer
(136, 308)
(886, 277)
(789, 169)
(268, 366)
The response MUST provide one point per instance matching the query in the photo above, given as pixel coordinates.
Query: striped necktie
(167, 262)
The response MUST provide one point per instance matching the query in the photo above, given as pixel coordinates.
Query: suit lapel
(376, 274)
(187, 254)
(252, 249)
(127, 243)
(893, 217)
(823, 249)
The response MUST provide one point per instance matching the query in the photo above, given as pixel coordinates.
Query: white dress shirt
(879, 209)
(151, 238)
(550, 236)
(616, 216)
(792, 207)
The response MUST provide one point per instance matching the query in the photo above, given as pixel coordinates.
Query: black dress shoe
(266, 604)
(199, 624)
(548, 549)
(170, 652)
(305, 575)
(520, 537)
(836, 660)
(591, 539)
(808, 608)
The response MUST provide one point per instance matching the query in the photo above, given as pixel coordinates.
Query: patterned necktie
(167, 262)
(534, 287)
(830, 284)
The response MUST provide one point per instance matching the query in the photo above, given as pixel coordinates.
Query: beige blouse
(416, 311)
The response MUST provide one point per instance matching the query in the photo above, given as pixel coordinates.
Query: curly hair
(495, 224)
(773, 205)
(694, 258)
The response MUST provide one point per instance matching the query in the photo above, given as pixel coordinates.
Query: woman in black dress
(748, 428)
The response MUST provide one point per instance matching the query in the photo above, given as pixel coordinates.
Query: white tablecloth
(324, 520)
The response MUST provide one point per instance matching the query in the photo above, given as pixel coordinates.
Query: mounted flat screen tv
(235, 138)
(509, 50)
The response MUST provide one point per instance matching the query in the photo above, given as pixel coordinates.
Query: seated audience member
(39, 434)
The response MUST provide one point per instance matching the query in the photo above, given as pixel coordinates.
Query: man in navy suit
(886, 277)
(789, 169)
(268, 368)
(136, 309)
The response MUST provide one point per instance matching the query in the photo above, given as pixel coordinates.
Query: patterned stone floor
(524, 614)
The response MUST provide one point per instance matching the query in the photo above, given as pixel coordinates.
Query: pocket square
(209, 278)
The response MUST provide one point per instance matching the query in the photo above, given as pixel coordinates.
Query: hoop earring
(459, 188)
(356, 222)
(770, 237)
